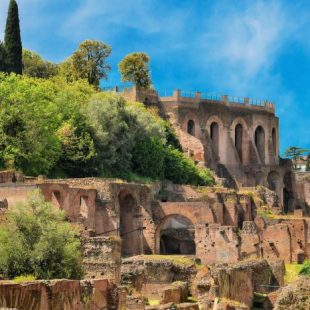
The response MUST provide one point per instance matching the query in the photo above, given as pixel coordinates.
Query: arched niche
(215, 136)
(128, 229)
(239, 140)
(259, 139)
(191, 127)
(175, 235)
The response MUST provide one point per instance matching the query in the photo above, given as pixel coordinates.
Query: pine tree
(12, 40)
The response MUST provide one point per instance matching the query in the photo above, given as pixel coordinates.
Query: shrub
(35, 239)
(305, 269)
(182, 170)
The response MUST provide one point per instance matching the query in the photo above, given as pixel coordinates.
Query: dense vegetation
(69, 129)
(36, 240)
(55, 121)
(305, 269)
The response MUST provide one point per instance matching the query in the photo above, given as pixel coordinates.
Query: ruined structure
(237, 137)
(123, 221)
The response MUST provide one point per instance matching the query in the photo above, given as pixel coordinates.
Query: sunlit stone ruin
(177, 244)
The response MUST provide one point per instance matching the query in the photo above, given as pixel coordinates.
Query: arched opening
(128, 228)
(214, 134)
(288, 192)
(260, 142)
(177, 236)
(191, 127)
(56, 199)
(274, 181)
(239, 140)
(274, 141)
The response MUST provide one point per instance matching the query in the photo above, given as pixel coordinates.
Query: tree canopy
(35, 239)
(294, 153)
(35, 66)
(135, 68)
(88, 62)
(12, 40)
(70, 129)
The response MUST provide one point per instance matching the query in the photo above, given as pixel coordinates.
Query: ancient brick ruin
(123, 221)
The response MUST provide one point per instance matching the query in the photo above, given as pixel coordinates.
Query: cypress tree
(2, 57)
(12, 40)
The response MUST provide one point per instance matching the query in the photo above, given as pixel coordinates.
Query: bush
(36, 240)
(182, 170)
(305, 269)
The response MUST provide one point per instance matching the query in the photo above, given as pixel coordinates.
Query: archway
(288, 192)
(129, 231)
(56, 199)
(176, 236)
(239, 140)
(274, 183)
(191, 127)
(214, 134)
(260, 143)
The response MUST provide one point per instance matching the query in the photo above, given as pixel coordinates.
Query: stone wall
(102, 258)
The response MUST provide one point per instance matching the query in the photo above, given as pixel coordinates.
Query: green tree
(36, 239)
(89, 62)
(3, 66)
(294, 153)
(35, 66)
(135, 68)
(118, 125)
(149, 158)
(12, 40)
(79, 155)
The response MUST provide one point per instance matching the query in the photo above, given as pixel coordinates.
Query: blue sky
(259, 49)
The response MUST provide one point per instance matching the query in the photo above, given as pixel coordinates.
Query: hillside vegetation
(71, 129)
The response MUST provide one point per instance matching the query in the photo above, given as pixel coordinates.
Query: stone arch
(241, 141)
(193, 119)
(175, 235)
(259, 138)
(214, 128)
(191, 127)
(129, 229)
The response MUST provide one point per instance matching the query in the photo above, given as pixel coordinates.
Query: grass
(24, 278)
(176, 259)
(292, 272)
(154, 302)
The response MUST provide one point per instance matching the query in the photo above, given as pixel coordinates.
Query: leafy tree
(79, 155)
(117, 126)
(89, 62)
(31, 115)
(135, 68)
(35, 66)
(3, 66)
(149, 158)
(294, 153)
(12, 40)
(35, 239)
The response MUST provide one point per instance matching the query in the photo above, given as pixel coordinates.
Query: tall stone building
(237, 137)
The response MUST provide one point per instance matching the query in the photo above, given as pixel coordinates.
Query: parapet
(231, 101)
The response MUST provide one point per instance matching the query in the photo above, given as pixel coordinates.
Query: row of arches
(239, 139)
